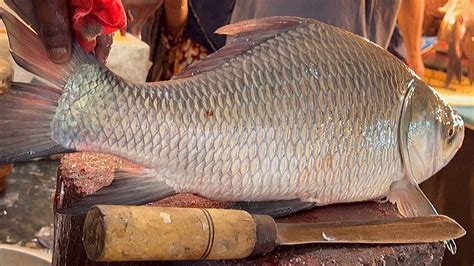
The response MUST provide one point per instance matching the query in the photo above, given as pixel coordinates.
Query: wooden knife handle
(131, 233)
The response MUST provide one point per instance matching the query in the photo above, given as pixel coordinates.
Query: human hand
(54, 28)
(415, 62)
(51, 19)
(92, 25)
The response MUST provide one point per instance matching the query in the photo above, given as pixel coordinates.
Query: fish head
(431, 132)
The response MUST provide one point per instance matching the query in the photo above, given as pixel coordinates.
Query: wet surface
(26, 204)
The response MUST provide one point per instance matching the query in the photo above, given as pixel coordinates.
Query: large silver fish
(293, 113)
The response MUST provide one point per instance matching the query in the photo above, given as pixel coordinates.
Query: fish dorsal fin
(247, 34)
(265, 26)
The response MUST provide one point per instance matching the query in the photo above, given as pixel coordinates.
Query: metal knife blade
(392, 231)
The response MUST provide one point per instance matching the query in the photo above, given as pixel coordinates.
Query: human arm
(176, 15)
(410, 20)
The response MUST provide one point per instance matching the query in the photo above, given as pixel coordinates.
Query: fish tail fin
(29, 52)
(26, 112)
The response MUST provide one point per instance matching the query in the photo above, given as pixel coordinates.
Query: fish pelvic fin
(29, 52)
(131, 186)
(26, 112)
(412, 202)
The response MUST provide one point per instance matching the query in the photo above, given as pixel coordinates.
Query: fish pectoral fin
(274, 208)
(132, 186)
(412, 202)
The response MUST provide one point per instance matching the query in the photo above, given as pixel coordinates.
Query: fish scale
(290, 109)
(252, 112)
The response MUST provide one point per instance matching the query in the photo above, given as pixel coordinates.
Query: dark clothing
(372, 19)
(205, 17)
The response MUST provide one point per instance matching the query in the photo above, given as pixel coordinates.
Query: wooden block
(83, 173)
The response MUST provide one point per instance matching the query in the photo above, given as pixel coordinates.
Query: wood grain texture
(125, 233)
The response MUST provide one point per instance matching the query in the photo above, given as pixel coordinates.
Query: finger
(103, 46)
(55, 28)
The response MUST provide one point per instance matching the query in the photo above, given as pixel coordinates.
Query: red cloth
(91, 18)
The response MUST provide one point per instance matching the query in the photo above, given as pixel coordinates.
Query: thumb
(55, 29)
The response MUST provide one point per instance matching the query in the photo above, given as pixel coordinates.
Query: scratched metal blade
(395, 231)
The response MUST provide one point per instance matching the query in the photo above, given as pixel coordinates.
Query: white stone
(129, 58)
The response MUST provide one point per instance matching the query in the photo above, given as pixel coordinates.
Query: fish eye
(450, 134)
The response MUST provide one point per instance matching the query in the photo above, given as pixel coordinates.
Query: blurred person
(374, 20)
(371, 19)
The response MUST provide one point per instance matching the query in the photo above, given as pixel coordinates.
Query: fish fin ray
(25, 9)
(131, 186)
(28, 51)
(261, 26)
(27, 102)
(412, 202)
(248, 34)
(274, 208)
